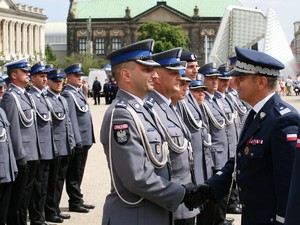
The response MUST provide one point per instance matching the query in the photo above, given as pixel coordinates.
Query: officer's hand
(196, 196)
(22, 165)
(79, 148)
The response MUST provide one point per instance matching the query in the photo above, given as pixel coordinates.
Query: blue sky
(286, 10)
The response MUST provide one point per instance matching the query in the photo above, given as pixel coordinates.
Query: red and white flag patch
(298, 143)
(291, 137)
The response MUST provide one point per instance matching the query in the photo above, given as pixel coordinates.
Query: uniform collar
(21, 89)
(166, 100)
(262, 102)
(140, 101)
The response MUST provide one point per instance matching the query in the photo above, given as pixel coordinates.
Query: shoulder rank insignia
(122, 104)
(282, 109)
(121, 133)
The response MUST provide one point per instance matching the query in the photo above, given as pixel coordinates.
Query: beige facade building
(22, 31)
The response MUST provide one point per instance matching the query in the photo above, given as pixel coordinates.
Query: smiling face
(191, 70)
(168, 82)
(247, 87)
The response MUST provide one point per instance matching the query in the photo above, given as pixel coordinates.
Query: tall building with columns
(21, 31)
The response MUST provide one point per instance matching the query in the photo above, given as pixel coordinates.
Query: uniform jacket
(219, 146)
(202, 153)
(81, 121)
(48, 149)
(181, 173)
(8, 167)
(134, 175)
(24, 139)
(62, 129)
(232, 129)
(265, 155)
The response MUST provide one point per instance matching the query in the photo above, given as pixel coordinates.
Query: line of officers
(46, 133)
(200, 120)
(169, 131)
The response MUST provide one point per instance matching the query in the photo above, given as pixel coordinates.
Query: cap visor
(147, 62)
(197, 87)
(225, 78)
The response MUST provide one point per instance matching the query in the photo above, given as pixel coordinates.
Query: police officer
(178, 136)
(81, 120)
(267, 145)
(197, 123)
(64, 142)
(96, 91)
(9, 169)
(38, 76)
(218, 122)
(19, 108)
(140, 177)
(106, 91)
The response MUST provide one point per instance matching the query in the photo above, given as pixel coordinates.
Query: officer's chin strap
(147, 147)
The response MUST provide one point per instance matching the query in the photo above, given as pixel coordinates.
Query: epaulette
(122, 104)
(149, 102)
(218, 95)
(282, 109)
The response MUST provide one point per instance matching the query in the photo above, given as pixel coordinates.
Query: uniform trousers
(38, 198)
(75, 176)
(30, 180)
(57, 176)
(5, 191)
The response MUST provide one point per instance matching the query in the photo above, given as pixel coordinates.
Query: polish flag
(291, 137)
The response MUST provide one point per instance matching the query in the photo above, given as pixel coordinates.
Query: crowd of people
(183, 150)
(46, 133)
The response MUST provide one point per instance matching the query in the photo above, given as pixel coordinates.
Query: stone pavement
(96, 182)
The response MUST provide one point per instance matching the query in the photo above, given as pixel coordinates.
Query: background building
(99, 27)
(21, 31)
(56, 38)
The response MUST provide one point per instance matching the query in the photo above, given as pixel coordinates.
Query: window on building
(210, 42)
(99, 46)
(115, 43)
(82, 45)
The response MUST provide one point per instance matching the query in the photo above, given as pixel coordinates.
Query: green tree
(165, 35)
(50, 58)
(87, 61)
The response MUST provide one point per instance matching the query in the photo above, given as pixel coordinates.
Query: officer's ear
(262, 82)
(125, 74)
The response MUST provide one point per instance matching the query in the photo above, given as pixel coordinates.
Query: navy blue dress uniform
(292, 209)
(8, 166)
(181, 154)
(65, 143)
(265, 151)
(48, 149)
(18, 106)
(81, 120)
(141, 192)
